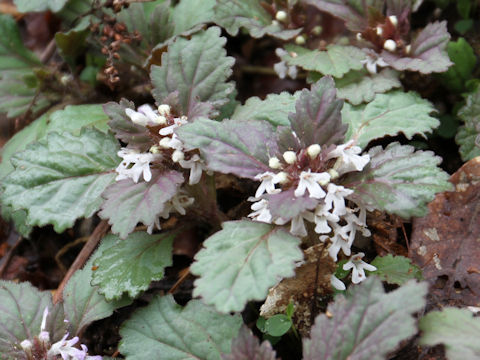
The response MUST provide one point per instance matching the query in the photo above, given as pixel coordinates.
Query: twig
(82, 257)
(63, 250)
(183, 275)
(6, 259)
(48, 51)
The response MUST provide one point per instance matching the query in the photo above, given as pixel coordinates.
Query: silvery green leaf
(247, 346)
(468, 136)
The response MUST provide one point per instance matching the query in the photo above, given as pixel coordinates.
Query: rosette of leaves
(397, 180)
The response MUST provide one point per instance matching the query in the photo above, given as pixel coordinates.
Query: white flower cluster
(178, 203)
(281, 68)
(334, 220)
(135, 163)
(62, 349)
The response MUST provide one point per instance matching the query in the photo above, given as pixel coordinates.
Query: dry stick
(9, 256)
(48, 51)
(184, 274)
(82, 257)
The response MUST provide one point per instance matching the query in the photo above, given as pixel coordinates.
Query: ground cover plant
(239, 179)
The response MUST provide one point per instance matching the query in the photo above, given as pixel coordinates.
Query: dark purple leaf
(286, 205)
(317, 119)
(428, 52)
(240, 147)
(128, 203)
(246, 346)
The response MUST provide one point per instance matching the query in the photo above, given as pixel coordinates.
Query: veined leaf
(464, 61)
(336, 60)
(127, 203)
(189, 13)
(389, 114)
(468, 136)
(367, 324)
(197, 68)
(246, 346)
(194, 332)
(398, 180)
(240, 147)
(456, 328)
(130, 265)
(61, 178)
(25, 6)
(249, 14)
(286, 205)
(428, 51)
(395, 269)
(242, 261)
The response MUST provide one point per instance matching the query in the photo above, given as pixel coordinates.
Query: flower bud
(164, 110)
(27, 346)
(333, 174)
(390, 45)
(155, 149)
(178, 155)
(300, 40)
(359, 36)
(282, 177)
(317, 30)
(408, 48)
(160, 120)
(165, 142)
(379, 31)
(281, 15)
(393, 19)
(274, 163)
(290, 157)
(313, 150)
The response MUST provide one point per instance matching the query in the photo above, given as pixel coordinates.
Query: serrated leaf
(456, 328)
(25, 6)
(468, 136)
(336, 60)
(189, 13)
(247, 346)
(286, 205)
(274, 109)
(127, 203)
(353, 12)
(464, 61)
(242, 261)
(428, 52)
(21, 313)
(128, 266)
(249, 14)
(398, 180)
(60, 178)
(395, 269)
(76, 117)
(367, 324)
(123, 127)
(361, 87)
(389, 114)
(82, 302)
(197, 68)
(193, 332)
(240, 147)
(278, 325)
(317, 119)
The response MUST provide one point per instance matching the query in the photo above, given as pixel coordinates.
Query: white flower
(176, 123)
(340, 240)
(372, 61)
(181, 201)
(349, 160)
(145, 116)
(337, 283)
(297, 227)
(358, 267)
(322, 217)
(171, 142)
(196, 167)
(135, 164)
(269, 179)
(311, 182)
(260, 211)
(336, 199)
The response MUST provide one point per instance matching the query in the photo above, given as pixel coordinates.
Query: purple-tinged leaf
(286, 205)
(21, 312)
(247, 346)
(127, 203)
(367, 324)
(234, 147)
(353, 12)
(398, 180)
(124, 128)
(250, 15)
(428, 51)
(317, 119)
(197, 68)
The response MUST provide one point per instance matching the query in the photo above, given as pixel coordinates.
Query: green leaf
(395, 269)
(61, 178)
(278, 325)
(240, 147)
(71, 44)
(83, 303)
(468, 136)
(197, 69)
(464, 61)
(128, 266)
(389, 114)
(336, 60)
(163, 327)
(398, 180)
(456, 328)
(249, 14)
(361, 87)
(127, 203)
(367, 323)
(21, 313)
(189, 13)
(242, 261)
(25, 6)
(274, 109)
